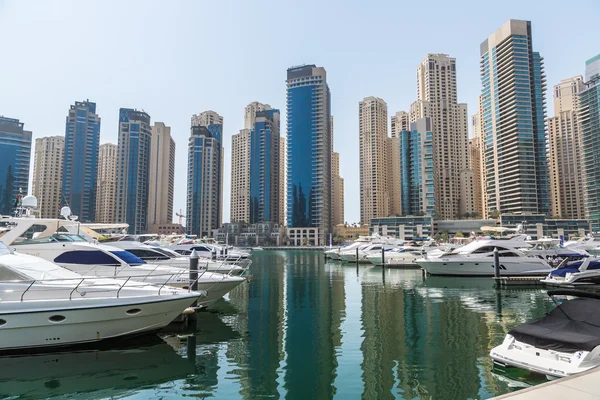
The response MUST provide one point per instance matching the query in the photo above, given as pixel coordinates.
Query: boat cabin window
(488, 249)
(86, 257)
(508, 254)
(166, 252)
(200, 248)
(128, 257)
(147, 255)
(7, 274)
(53, 239)
(183, 252)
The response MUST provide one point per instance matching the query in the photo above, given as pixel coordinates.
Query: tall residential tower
(15, 154)
(107, 183)
(47, 175)
(513, 114)
(590, 130)
(133, 170)
(374, 163)
(309, 148)
(205, 174)
(80, 165)
(162, 177)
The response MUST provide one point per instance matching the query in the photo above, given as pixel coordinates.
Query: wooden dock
(580, 387)
(504, 281)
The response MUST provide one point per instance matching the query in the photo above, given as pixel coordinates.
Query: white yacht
(45, 305)
(334, 253)
(401, 256)
(477, 259)
(211, 251)
(167, 257)
(564, 342)
(364, 252)
(575, 273)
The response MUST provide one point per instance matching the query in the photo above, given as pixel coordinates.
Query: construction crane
(180, 215)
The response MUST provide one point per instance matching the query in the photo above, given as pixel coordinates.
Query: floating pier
(503, 281)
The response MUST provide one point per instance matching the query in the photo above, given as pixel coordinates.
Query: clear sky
(176, 58)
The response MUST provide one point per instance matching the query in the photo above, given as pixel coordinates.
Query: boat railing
(65, 288)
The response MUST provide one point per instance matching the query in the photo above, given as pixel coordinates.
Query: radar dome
(29, 202)
(65, 212)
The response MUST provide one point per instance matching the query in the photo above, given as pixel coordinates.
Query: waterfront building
(337, 191)
(303, 236)
(162, 177)
(437, 99)
(80, 165)
(15, 154)
(133, 170)
(282, 180)
(264, 167)
(240, 177)
(565, 157)
(590, 128)
(373, 156)
(351, 231)
(107, 183)
(512, 110)
(256, 167)
(47, 175)
(416, 166)
(205, 174)
(400, 122)
(309, 147)
(539, 225)
(404, 228)
(476, 165)
(244, 234)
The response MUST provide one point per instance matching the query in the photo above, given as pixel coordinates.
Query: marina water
(306, 328)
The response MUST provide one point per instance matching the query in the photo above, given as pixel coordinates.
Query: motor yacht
(477, 259)
(564, 342)
(365, 251)
(45, 305)
(167, 257)
(98, 260)
(401, 256)
(575, 273)
(210, 251)
(334, 253)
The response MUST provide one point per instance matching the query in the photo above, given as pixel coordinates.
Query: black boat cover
(578, 330)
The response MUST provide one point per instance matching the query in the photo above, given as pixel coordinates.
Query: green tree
(495, 214)
(437, 237)
(445, 236)
(458, 234)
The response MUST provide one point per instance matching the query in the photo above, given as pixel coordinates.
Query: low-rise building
(243, 234)
(538, 225)
(303, 236)
(351, 231)
(404, 228)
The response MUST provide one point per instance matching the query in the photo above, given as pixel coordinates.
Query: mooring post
(193, 276)
(496, 263)
(357, 257)
(382, 256)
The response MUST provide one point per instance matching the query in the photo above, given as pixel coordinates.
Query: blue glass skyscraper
(80, 162)
(205, 174)
(416, 168)
(590, 128)
(309, 148)
(133, 169)
(264, 167)
(513, 113)
(15, 153)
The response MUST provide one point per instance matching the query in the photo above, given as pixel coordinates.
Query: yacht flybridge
(45, 305)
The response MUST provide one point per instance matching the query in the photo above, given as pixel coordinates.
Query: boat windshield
(128, 257)
(58, 237)
(3, 249)
(167, 252)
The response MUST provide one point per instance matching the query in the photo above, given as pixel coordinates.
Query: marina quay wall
(534, 225)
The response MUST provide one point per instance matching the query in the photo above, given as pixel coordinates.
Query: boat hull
(38, 324)
(515, 266)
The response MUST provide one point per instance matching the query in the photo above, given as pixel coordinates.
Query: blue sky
(176, 58)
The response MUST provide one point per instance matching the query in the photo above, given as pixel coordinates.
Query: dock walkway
(581, 387)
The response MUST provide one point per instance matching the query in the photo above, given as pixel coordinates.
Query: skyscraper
(205, 174)
(15, 154)
(47, 175)
(337, 191)
(107, 183)
(133, 170)
(476, 165)
(80, 165)
(250, 113)
(565, 158)
(374, 163)
(162, 177)
(590, 128)
(513, 112)
(309, 149)
(240, 177)
(282, 180)
(264, 167)
(417, 168)
(399, 122)
(437, 99)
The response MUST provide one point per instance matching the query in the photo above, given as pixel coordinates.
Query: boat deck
(581, 387)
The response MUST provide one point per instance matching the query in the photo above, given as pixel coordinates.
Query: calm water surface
(307, 329)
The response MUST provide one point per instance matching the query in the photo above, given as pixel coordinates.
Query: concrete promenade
(585, 386)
